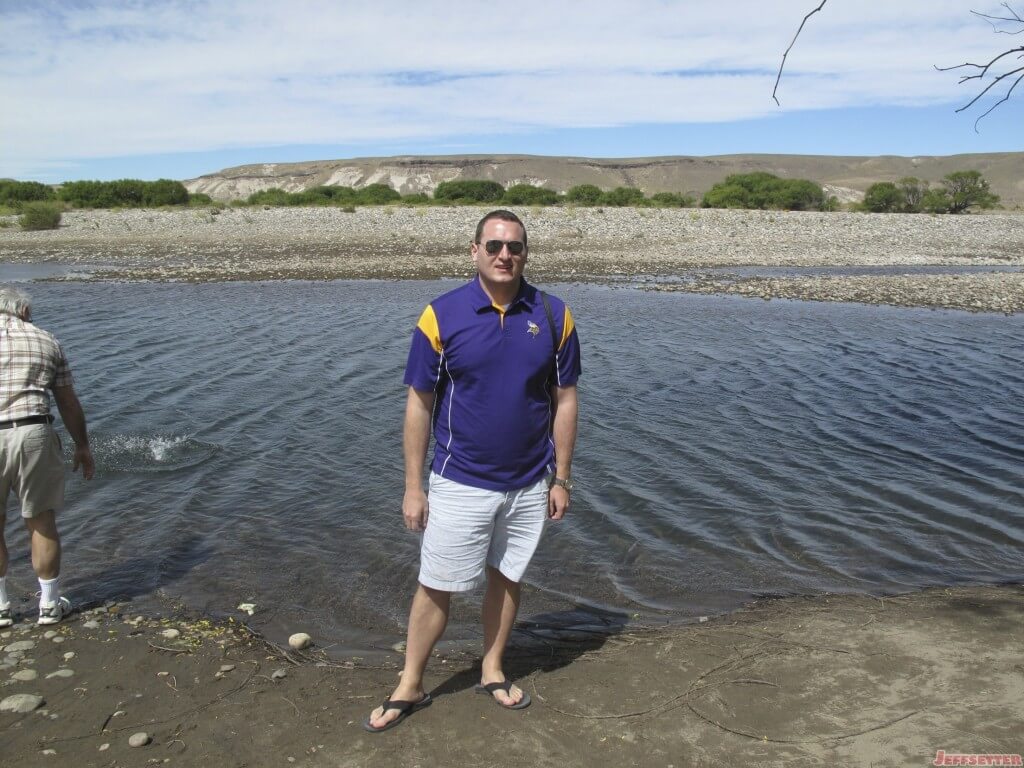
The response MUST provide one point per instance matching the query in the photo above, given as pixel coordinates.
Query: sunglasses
(515, 247)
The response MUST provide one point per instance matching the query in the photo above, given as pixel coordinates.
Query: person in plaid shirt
(32, 365)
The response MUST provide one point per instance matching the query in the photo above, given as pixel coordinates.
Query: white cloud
(96, 79)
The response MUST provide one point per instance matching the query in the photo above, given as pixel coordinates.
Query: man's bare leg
(501, 604)
(427, 619)
(45, 545)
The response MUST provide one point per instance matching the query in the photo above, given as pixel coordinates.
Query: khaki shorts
(32, 466)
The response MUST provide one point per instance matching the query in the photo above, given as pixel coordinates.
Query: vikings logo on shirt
(532, 328)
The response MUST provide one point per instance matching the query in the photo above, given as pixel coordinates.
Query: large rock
(21, 703)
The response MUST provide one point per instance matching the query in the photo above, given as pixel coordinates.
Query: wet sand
(665, 249)
(826, 680)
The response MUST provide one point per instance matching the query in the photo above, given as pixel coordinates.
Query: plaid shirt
(31, 362)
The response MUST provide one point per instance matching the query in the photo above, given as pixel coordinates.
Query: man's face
(502, 267)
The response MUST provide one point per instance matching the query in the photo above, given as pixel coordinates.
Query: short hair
(500, 215)
(14, 301)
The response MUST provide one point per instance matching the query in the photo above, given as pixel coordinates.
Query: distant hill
(845, 177)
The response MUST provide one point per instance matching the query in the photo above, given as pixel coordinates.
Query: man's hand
(415, 510)
(558, 502)
(83, 458)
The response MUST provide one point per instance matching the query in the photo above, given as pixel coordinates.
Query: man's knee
(495, 574)
(44, 524)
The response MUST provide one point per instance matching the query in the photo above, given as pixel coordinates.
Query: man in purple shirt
(492, 368)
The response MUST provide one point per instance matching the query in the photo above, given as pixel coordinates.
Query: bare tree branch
(778, 77)
(991, 19)
(1003, 74)
(1010, 74)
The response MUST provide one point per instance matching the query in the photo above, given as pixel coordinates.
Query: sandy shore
(681, 250)
(832, 680)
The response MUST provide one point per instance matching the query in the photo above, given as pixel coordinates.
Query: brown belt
(40, 419)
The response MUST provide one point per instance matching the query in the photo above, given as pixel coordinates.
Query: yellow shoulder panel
(567, 327)
(428, 325)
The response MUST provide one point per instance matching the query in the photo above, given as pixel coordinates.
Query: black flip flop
(506, 686)
(405, 708)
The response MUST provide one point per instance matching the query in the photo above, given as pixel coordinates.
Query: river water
(248, 445)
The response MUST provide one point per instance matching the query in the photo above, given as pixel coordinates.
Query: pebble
(278, 674)
(69, 656)
(139, 739)
(61, 673)
(170, 634)
(49, 751)
(21, 703)
(58, 640)
(227, 667)
(50, 634)
(21, 646)
(398, 647)
(91, 624)
(300, 641)
(104, 747)
(25, 675)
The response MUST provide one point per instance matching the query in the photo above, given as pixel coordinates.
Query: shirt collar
(527, 295)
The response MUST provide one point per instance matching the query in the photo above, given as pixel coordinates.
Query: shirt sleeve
(62, 371)
(423, 368)
(569, 368)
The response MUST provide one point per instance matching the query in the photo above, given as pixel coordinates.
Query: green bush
(884, 197)
(623, 196)
(671, 200)
(272, 196)
(40, 214)
(88, 194)
(123, 193)
(527, 194)
(416, 198)
(935, 201)
(470, 190)
(765, 191)
(584, 194)
(199, 199)
(164, 192)
(17, 192)
(967, 189)
(377, 194)
(913, 191)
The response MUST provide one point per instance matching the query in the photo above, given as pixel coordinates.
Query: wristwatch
(566, 483)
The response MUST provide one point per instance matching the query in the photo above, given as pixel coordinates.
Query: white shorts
(469, 527)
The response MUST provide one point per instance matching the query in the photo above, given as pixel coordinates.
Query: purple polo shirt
(491, 370)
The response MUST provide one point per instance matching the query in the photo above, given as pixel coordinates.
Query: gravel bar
(667, 248)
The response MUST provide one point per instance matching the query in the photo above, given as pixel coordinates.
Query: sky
(109, 89)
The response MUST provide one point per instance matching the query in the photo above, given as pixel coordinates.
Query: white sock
(4, 600)
(49, 591)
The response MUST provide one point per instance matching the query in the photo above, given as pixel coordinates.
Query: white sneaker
(52, 613)
(6, 616)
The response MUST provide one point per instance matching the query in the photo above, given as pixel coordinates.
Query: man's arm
(74, 422)
(415, 438)
(564, 433)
